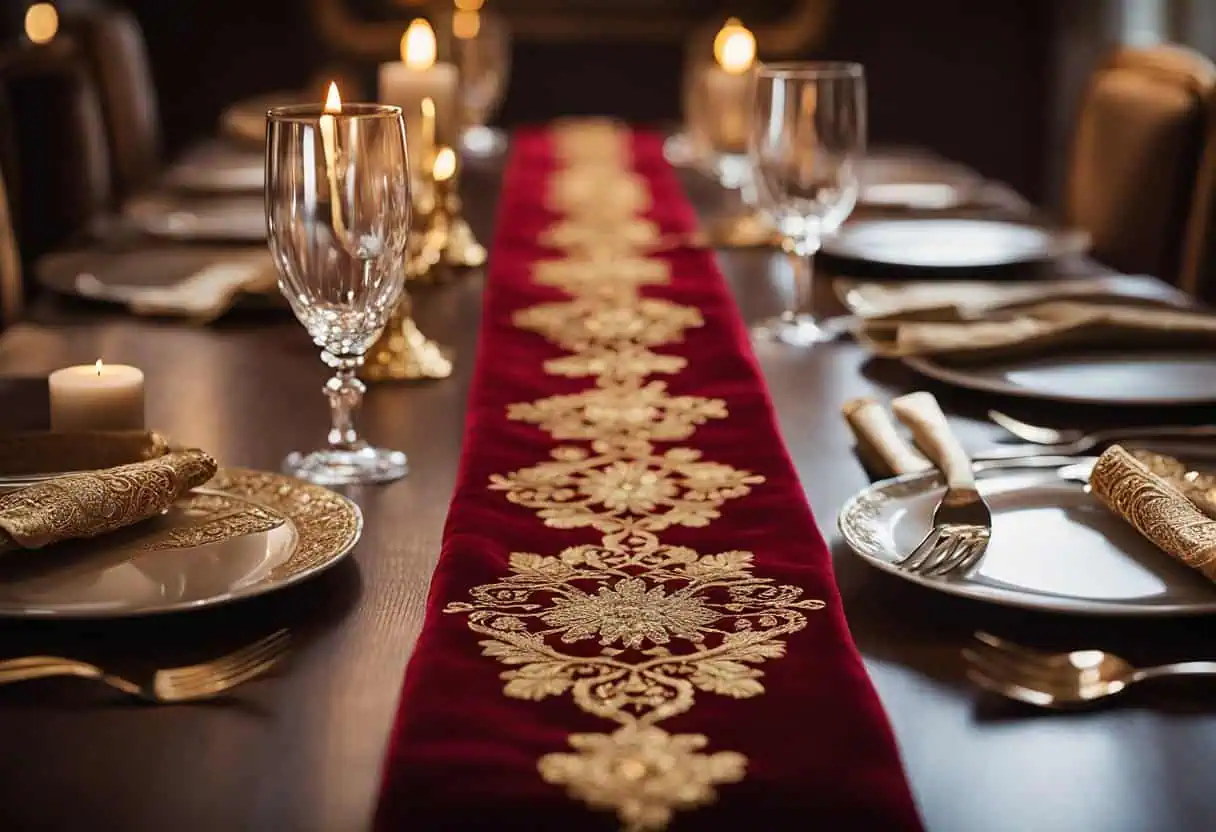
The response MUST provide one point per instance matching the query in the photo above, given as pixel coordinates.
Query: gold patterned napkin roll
(98, 502)
(879, 443)
(44, 452)
(1156, 507)
(1039, 328)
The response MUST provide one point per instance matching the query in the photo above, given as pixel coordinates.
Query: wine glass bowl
(337, 219)
(806, 146)
(481, 49)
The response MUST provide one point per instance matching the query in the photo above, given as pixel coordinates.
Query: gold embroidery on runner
(629, 627)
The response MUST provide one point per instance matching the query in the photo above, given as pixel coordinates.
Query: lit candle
(726, 87)
(417, 76)
(329, 148)
(97, 397)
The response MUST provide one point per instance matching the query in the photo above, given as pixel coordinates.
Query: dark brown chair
(112, 45)
(12, 289)
(1135, 156)
(57, 162)
(1199, 252)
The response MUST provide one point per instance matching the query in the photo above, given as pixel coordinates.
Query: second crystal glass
(338, 218)
(808, 139)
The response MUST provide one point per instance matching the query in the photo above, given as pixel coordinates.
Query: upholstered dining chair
(56, 158)
(1135, 156)
(112, 45)
(12, 290)
(1199, 250)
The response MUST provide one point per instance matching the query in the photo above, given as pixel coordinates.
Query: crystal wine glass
(806, 146)
(338, 217)
(481, 47)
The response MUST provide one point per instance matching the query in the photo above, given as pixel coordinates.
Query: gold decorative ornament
(404, 353)
(630, 627)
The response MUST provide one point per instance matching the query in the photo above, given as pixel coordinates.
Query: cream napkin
(1159, 499)
(959, 299)
(1031, 330)
(98, 502)
(878, 441)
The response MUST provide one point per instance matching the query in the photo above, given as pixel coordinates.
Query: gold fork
(172, 684)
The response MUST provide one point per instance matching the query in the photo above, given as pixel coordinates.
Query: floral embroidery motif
(629, 627)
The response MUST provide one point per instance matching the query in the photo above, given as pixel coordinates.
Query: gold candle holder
(404, 353)
(451, 239)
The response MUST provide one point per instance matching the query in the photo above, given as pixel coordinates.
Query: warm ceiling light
(735, 47)
(418, 45)
(333, 101)
(41, 22)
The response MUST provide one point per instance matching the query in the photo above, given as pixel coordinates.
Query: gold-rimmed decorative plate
(246, 533)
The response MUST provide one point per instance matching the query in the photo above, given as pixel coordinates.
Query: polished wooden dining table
(302, 749)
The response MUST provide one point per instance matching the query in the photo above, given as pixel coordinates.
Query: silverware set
(1045, 440)
(190, 683)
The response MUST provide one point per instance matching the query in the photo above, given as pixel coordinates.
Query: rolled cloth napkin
(1032, 330)
(879, 444)
(1147, 491)
(50, 451)
(98, 502)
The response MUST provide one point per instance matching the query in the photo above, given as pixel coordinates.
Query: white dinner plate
(1054, 548)
(951, 243)
(1157, 377)
(247, 533)
(236, 219)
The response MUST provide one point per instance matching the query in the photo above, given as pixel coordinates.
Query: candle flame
(428, 108)
(98, 365)
(418, 48)
(735, 47)
(466, 24)
(333, 101)
(41, 23)
(469, 5)
(445, 164)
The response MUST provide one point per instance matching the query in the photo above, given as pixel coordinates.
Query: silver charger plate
(1157, 377)
(215, 546)
(1055, 547)
(952, 243)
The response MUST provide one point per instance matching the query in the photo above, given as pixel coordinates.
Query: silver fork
(962, 522)
(174, 684)
(1060, 680)
(1070, 442)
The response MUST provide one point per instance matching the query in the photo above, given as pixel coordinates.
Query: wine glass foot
(795, 330)
(338, 467)
(481, 142)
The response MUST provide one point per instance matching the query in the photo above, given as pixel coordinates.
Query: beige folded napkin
(98, 502)
(42, 452)
(950, 300)
(1147, 491)
(1032, 330)
(878, 441)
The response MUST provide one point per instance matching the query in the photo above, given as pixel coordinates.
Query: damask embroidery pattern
(631, 628)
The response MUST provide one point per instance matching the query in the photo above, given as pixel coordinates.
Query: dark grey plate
(1159, 377)
(952, 243)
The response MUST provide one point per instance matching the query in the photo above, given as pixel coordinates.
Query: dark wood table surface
(302, 750)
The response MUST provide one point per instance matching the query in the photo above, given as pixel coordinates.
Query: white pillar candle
(97, 397)
(416, 76)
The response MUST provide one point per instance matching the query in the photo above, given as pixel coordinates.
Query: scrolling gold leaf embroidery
(629, 627)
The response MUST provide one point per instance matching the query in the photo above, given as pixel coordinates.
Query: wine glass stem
(345, 392)
(801, 251)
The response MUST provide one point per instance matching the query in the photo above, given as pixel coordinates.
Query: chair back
(112, 44)
(1135, 156)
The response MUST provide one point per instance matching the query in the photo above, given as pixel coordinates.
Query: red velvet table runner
(633, 623)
